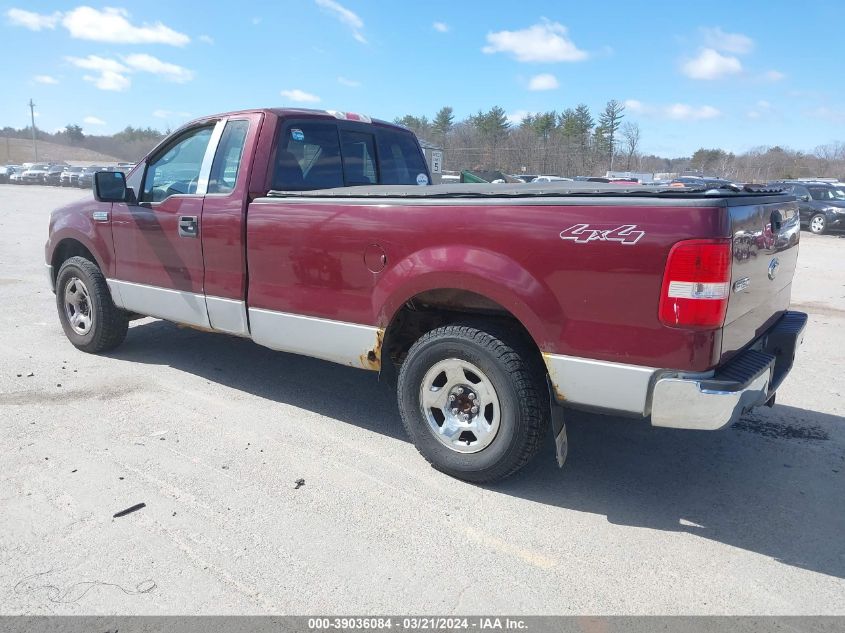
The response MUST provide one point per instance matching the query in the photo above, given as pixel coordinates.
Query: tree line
(573, 142)
(569, 142)
(577, 142)
(130, 144)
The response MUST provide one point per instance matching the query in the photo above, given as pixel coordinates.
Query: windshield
(824, 193)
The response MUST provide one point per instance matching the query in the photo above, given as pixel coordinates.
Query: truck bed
(578, 192)
(580, 288)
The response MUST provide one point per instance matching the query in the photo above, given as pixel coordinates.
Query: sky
(734, 75)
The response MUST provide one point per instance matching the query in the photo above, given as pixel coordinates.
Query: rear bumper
(747, 381)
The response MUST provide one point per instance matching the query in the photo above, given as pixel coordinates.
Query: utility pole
(32, 116)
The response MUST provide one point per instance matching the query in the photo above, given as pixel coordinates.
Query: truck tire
(818, 224)
(89, 317)
(473, 402)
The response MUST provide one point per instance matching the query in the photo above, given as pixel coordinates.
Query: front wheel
(88, 315)
(473, 402)
(818, 224)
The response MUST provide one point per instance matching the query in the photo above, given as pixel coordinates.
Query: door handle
(188, 226)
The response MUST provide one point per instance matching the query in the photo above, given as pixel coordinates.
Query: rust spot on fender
(372, 358)
(554, 381)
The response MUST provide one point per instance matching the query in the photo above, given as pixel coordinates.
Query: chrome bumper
(747, 381)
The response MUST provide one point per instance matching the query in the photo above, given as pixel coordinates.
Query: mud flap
(558, 429)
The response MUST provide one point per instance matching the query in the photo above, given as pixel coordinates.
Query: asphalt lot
(211, 432)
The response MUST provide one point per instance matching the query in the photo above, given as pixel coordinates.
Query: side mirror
(110, 186)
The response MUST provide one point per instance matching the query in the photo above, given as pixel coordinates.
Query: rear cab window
(318, 154)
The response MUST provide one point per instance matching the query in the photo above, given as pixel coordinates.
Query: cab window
(227, 160)
(322, 155)
(400, 159)
(177, 169)
(308, 157)
(359, 158)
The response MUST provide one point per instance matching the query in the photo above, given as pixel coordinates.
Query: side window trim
(240, 160)
(167, 147)
(208, 158)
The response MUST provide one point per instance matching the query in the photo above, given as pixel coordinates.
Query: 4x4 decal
(626, 234)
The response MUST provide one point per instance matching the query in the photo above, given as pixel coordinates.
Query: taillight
(696, 284)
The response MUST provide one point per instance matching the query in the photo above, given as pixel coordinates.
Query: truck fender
(484, 272)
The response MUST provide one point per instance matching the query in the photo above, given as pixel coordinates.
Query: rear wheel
(88, 315)
(818, 224)
(472, 402)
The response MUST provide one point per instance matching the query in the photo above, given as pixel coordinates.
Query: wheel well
(66, 249)
(435, 308)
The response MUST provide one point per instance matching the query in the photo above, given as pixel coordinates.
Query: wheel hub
(461, 405)
(463, 402)
(78, 306)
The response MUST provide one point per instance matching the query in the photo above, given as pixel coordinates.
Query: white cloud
(674, 111)
(632, 105)
(717, 39)
(112, 25)
(544, 81)
(92, 120)
(206, 39)
(109, 80)
(149, 64)
(45, 79)
(112, 74)
(544, 42)
(33, 21)
(440, 27)
(710, 64)
(344, 15)
(349, 83)
(684, 112)
(773, 75)
(101, 64)
(299, 96)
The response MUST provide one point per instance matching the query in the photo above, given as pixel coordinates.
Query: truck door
(158, 251)
(223, 225)
(805, 203)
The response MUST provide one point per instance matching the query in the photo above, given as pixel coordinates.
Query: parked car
(7, 171)
(86, 176)
(540, 179)
(821, 206)
(36, 174)
(622, 302)
(16, 178)
(54, 175)
(705, 183)
(70, 176)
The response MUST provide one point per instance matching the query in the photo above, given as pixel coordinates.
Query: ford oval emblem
(773, 267)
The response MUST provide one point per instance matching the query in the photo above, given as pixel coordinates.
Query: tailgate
(765, 252)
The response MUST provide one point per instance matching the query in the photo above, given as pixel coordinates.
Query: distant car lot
(56, 174)
(212, 432)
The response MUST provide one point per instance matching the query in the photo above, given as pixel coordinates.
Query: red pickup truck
(308, 232)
